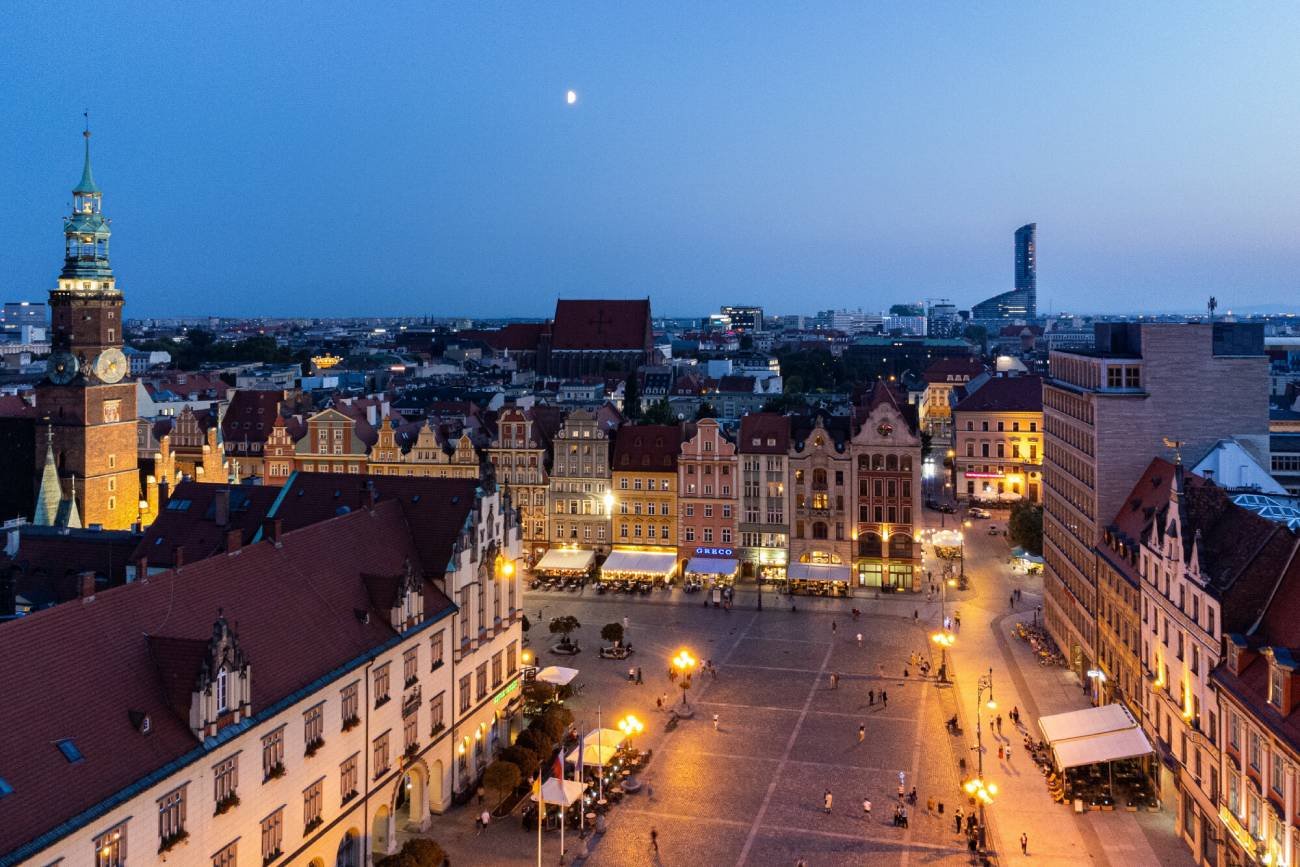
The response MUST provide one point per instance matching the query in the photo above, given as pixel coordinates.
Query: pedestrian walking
(834, 627)
(485, 817)
(639, 680)
(1001, 754)
(663, 700)
(956, 821)
(911, 658)
(956, 619)
(916, 615)
(1024, 843)
(659, 704)
(835, 681)
(880, 669)
(866, 808)
(715, 722)
(826, 802)
(902, 792)
(884, 698)
(929, 805)
(1008, 754)
(482, 793)
(862, 733)
(999, 722)
(859, 639)
(624, 623)
(871, 698)
(654, 840)
(1011, 601)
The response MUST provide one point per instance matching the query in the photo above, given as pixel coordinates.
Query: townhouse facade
(580, 481)
(821, 471)
(886, 486)
(645, 487)
(708, 501)
(998, 433)
(764, 520)
(519, 457)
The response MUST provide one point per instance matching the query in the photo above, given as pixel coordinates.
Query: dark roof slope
(250, 415)
(50, 560)
(99, 656)
(1005, 394)
(603, 324)
(757, 428)
(188, 521)
(652, 447)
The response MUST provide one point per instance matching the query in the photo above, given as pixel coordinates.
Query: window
(313, 727)
(381, 755)
(171, 816)
(381, 684)
(512, 664)
(480, 681)
(1275, 771)
(272, 835)
(227, 857)
(464, 694)
(435, 649)
(496, 669)
(410, 665)
(435, 714)
(311, 804)
(1256, 761)
(348, 704)
(348, 777)
(225, 782)
(1275, 686)
(273, 754)
(411, 731)
(223, 696)
(110, 847)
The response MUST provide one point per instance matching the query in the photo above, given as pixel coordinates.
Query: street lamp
(961, 534)
(685, 664)
(944, 639)
(630, 725)
(984, 789)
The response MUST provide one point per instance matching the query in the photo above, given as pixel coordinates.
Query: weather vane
(1177, 446)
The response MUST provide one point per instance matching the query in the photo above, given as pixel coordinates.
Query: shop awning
(557, 675)
(1108, 747)
(817, 572)
(711, 566)
(565, 560)
(658, 564)
(1085, 723)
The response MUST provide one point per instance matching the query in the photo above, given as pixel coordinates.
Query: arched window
(891, 463)
(864, 463)
(819, 480)
(819, 530)
(905, 464)
(877, 462)
(900, 546)
(869, 545)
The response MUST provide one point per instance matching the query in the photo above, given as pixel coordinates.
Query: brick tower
(89, 403)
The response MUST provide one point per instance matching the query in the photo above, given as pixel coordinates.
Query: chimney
(142, 568)
(164, 494)
(178, 556)
(372, 414)
(234, 539)
(86, 584)
(221, 507)
(271, 529)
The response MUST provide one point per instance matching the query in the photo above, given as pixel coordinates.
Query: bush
(521, 757)
(416, 852)
(538, 741)
(563, 714)
(502, 777)
(612, 632)
(563, 626)
(1026, 526)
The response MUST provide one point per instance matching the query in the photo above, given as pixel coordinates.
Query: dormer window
(223, 702)
(1275, 686)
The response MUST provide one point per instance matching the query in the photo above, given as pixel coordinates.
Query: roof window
(5, 788)
(69, 750)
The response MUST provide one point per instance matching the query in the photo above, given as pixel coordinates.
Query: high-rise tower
(1027, 265)
(89, 405)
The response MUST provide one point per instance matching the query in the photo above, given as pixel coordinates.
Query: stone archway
(436, 787)
(382, 839)
(410, 805)
(349, 853)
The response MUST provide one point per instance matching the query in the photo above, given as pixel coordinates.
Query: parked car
(993, 530)
(977, 512)
(947, 508)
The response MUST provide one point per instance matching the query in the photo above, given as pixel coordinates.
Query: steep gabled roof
(1005, 394)
(604, 324)
(648, 447)
(757, 428)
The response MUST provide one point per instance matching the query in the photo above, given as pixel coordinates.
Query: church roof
(603, 324)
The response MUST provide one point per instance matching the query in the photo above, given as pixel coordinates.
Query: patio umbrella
(557, 675)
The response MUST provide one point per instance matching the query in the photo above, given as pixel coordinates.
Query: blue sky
(317, 159)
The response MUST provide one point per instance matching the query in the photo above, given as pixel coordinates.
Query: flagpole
(600, 755)
(582, 807)
(541, 812)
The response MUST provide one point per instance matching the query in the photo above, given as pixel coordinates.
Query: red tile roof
(250, 415)
(763, 426)
(647, 447)
(188, 521)
(13, 406)
(953, 370)
(515, 337)
(605, 324)
(78, 671)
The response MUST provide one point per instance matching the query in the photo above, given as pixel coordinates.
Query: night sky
(317, 159)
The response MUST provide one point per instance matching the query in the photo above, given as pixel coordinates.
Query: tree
(416, 852)
(746, 342)
(1026, 526)
(502, 777)
(564, 626)
(706, 410)
(660, 412)
(612, 632)
(522, 757)
(632, 397)
(537, 740)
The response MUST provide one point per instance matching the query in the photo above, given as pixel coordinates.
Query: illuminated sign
(984, 475)
(506, 691)
(324, 362)
(1240, 833)
(713, 552)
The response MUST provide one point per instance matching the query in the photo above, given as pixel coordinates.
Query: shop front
(713, 567)
(818, 579)
(886, 576)
(566, 563)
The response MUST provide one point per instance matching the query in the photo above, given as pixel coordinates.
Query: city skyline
(860, 159)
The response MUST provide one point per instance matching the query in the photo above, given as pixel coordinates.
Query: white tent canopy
(1086, 722)
(817, 572)
(604, 737)
(1107, 747)
(565, 560)
(557, 675)
(660, 564)
(560, 791)
(711, 566)
(593, 755)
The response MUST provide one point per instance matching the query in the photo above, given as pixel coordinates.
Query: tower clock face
(884, 429)
(61, 368)
(110, 366)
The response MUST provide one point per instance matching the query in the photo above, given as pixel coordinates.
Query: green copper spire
(51, 492)
(87, 186)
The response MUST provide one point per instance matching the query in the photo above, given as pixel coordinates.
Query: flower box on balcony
(228, 803)
(411, 750)
(172, 841)
(270, 856)
(349, 796)
(275, 772)
(313, 825)
(437, 730)
(314, 747)
(382, 700)
(411, 681)
(351, 722)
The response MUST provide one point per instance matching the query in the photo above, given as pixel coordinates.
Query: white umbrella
(557, 675)
(595, 755)
(558, 791)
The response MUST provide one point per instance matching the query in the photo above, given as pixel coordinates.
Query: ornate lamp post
(979, 788)
(684, 663)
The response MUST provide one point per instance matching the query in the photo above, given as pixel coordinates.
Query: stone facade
(708, 502)
(580, 479)
(821, 486)
(886, 487)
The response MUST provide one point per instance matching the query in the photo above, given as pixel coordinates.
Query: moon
(571, 97)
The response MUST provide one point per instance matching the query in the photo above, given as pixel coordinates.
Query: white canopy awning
(1086, 722)
(1107, 747)
(817, 572)
(711, 566)
(593, 755)
(561, 791)
(604, 737)
(658, 564)
(946, 538)
(565, 560)
(557, 675)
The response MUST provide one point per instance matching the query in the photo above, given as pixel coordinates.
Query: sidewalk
(1056, 834)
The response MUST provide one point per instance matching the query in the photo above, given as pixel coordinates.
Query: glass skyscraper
(1022, 301)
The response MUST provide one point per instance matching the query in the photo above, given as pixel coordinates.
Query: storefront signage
(713, 552)
(1240, 833)
(509, 688)
(984, 475)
